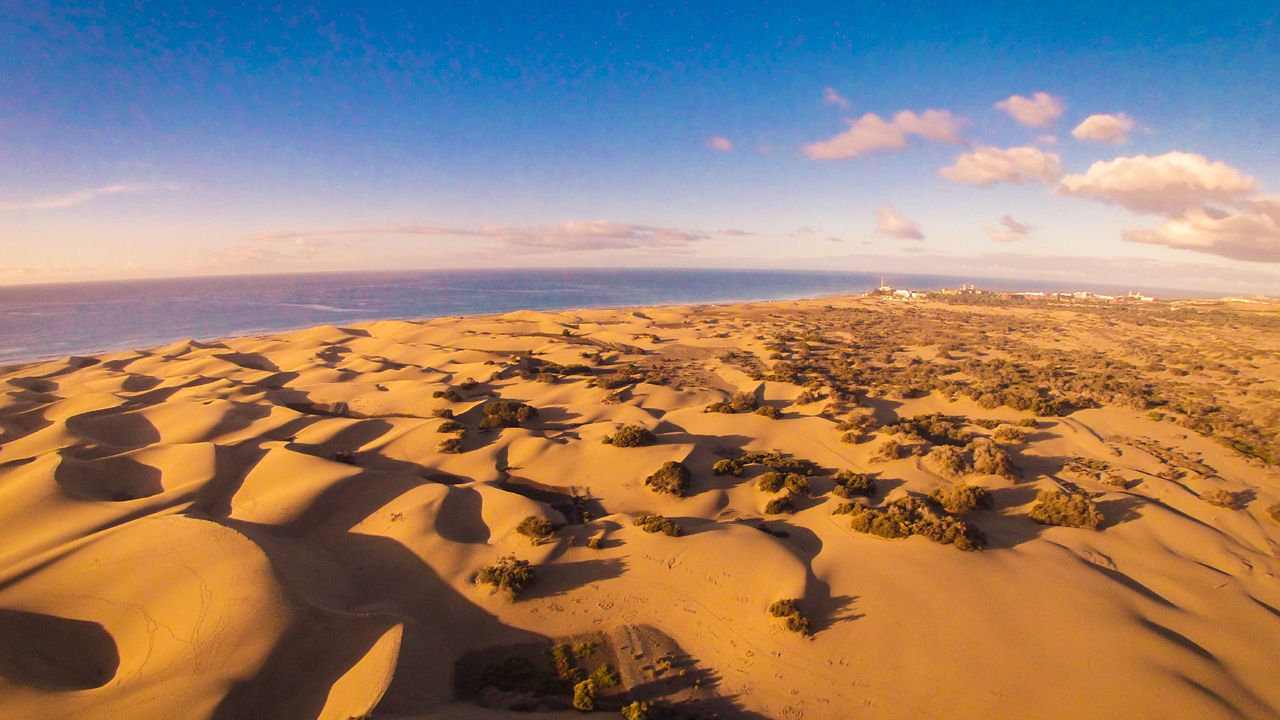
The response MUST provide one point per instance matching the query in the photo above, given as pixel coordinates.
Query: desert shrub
(509, 574)
(850, 438)
(769, 411)
(779, 505)
(449, 395)
(1009, 434)
(991, 459)
(584, 696)
(1274, 512)
(632, 436)
(808, 397)
(889, 450)
(798, 484)
(595, 543)
(936, 428)
(909, 516)
(1076, 510)
(771, 482)
(508, 674)
(792, 618)
(727, 467)
(950, 461)
(450, 426)
(743, 402)
(778, 461)
(987, 424)
(657, 524)
(450, 446)
(961, 498)
(562, 662)
(505, 414)
(442, 413)
(849, 483)
(637, 710)
(672, 478)
(584, 648)
(858, 422)
(605, 677)
(1222, 498)
(1028, 423)
(535, 528)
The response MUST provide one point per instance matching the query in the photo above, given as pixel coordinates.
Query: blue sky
(160, 139)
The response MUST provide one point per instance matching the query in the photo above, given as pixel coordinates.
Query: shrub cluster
(991, 459)
(1274, 512)
(442, 413)
(769, 411)
(889, 450)
(672, 478)
(509, 574)
(1076, 510)
(505, 414)
(632, 436)
(781, 504)
(961, 498)
(909, 516)
(657, 524)
(849, 484)
(450, 446)
(771, 482)
(1009, 434)
(449, 395)
(792, 618)
(605, 677)
(728, 466)
(776, 460)
(450, 426)
(535, 528)
(1223, 498)
(738, 403)
(584, 696)
(934, 428)
(637, 710)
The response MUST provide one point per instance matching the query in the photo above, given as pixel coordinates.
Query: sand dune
(270, 527)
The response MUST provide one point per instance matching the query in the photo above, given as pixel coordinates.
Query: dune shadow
(249, 361)
(459, 517)
(559, 578)
(55, 653)
(117, 479)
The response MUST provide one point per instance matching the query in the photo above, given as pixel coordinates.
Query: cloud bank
(1164, 185)
(871, 133)
(1039, 110)
(891, 223)
(573, 235)
(988, 165)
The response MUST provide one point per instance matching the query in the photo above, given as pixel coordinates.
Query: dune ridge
(290, 526)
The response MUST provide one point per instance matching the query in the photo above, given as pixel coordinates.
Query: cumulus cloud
(567, 236)
(722, 144)
(1039, 110)
(1112, 129)
(891, 223)
(72, 199)
(870, 133)
(988, 165)
(1250, 233)
(831, 97)
(1010, 230)
(1167, 184)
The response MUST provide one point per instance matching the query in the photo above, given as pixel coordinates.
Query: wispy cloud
(831, 97)
(72, 199)
(1010, 230)
(891, 223)
(722, 144)
(1039, 110)
(574, 235)
(1113, 129)
(871, 133)
(988, 165)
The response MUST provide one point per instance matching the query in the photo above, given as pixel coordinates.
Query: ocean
(49, 321)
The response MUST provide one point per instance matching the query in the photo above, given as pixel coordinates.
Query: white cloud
(1039, 110)
(871, 133)
(891, 223)
(72, 199)
(1047, 140)
(1167, 184)
(831, 97)
(722, 144)
(1010, 230)
(567, 236)
(987, 165)
(1112, 129)
(1251, 233)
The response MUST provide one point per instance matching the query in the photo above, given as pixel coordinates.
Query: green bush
(1076, 510)
(792, 618)
(636, 711)
(509, 574)
(991, 459)
(909, 516)
(889, 450)
(743, 402)
(595, 543)
(950, 461)
(657, 524)
(779, 505)
(605, 677)
(442, 413)
(769, 411)
(728, 467)
(672, 478)
(849, 483)
(448, 395)
(535, 528)
(798, 484)
(771, 482)
(936, 428)
(505, 414)
(584, 696)
(450, 446)
(584, 648)
(961, 498)
(450, 426)
(1009, 435)
(632, 436)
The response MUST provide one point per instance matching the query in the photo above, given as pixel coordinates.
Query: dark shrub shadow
(553, 579)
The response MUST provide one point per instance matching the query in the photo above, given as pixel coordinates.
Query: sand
(265, 528)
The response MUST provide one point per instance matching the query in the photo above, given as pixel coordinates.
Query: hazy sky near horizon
(1085, 140)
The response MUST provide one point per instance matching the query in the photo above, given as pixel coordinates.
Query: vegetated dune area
(844, 508)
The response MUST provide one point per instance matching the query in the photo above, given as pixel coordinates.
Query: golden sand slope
(265, 528)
